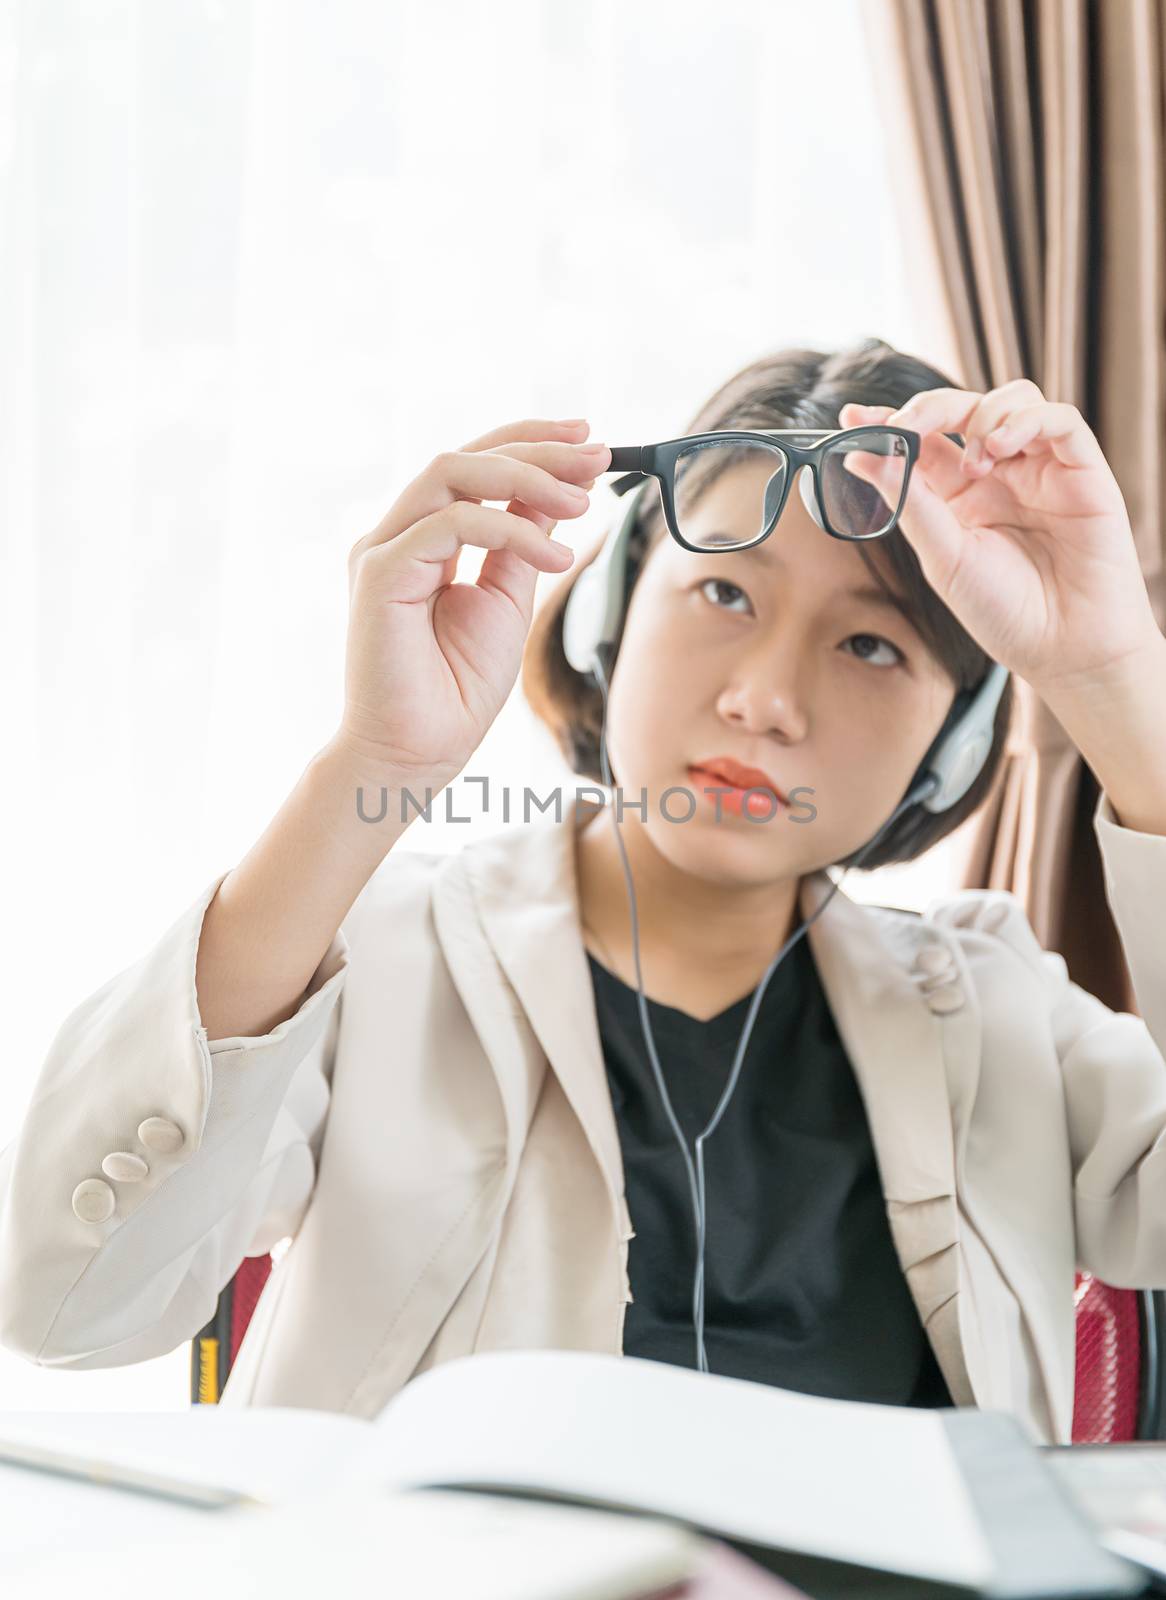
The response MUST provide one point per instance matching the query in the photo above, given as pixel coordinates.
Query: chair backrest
(213, 1350)
(1120, 1391)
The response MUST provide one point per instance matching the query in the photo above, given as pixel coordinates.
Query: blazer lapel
(896, 1047)
(506, 911)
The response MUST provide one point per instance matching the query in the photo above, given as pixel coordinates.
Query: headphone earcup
(961, 753)
(959, 774)
(583, 620)
(593, 614)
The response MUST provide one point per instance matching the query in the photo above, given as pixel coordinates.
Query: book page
(440, 1545)
(853, 1481)
(274, 1454)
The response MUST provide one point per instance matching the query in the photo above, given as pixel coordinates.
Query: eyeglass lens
(727, 492)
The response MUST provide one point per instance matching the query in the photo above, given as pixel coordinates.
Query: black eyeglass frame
(637, 462)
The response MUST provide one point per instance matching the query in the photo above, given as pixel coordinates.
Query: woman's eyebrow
(880, 597)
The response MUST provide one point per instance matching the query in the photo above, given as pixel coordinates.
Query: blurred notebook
(957, 1498)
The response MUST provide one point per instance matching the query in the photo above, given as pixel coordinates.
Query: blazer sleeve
(215, 1145)
(1112, 1063)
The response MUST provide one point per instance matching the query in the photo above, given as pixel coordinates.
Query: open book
(957, 1497)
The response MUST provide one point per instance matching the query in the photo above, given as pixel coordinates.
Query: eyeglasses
(764, 464)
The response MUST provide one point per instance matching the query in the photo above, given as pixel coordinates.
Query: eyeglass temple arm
(625, 458)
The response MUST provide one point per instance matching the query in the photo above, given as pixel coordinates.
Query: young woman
(431, 1071)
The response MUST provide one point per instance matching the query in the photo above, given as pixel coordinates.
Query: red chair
(1121, 1354)
(1121, 1378)
(213, 1350)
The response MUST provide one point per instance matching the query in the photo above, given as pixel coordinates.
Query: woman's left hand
(1023, 533)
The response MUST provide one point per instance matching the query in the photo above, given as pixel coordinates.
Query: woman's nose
(763, 698)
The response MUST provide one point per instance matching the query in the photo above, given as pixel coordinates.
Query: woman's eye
(722, 584)
(866, 640)
(724, 596)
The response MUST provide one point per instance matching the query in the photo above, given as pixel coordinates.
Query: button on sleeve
(93, 1200)
(124, 1167)
(159, 1133)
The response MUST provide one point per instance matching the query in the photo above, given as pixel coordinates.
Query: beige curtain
(1027, 141)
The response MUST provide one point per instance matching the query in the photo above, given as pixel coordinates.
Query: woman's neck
(702, 947)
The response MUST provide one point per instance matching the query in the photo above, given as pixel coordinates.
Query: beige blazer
(434, 1132)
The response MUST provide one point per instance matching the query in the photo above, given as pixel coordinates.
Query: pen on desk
(124, 1475)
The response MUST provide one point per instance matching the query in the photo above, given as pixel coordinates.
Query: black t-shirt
(803, 1287)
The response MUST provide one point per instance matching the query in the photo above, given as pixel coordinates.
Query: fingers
(487, 475)
(579, 464)
(442, 535)
(926, 520)
(423, 549)
(949, 410)
(992, 410)
(505, 572)
(1004, 422)
(1059, 425)
(531, 429)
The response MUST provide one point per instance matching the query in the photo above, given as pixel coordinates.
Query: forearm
(1118, 722)
(274, 916)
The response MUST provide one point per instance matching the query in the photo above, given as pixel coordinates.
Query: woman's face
(783, 658)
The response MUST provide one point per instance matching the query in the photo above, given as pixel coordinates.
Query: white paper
(444, 1546)
(278, 1454)
(872, 1484)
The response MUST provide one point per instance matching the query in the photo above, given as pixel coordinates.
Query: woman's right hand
(430, 662)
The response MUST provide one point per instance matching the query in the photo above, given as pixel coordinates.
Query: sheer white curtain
(259, 262)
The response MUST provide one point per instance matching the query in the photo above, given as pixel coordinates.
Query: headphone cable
(696, 1180)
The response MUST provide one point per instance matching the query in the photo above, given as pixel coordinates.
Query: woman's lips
(734, 799)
